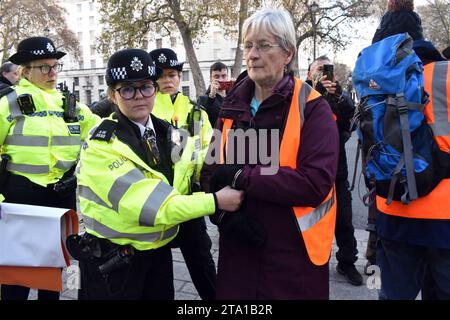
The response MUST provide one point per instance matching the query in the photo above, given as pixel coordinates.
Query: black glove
(224, 176)
(242, 229)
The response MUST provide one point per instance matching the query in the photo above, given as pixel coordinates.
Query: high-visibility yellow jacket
(128, 202)
(178, 114)
(41, 145)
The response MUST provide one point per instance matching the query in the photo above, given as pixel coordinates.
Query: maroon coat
(281, 269)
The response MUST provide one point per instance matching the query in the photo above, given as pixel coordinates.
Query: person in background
(132, 190)
(277, 246)
(213, 98)
(343, 108)
(9, 75)
(40, 139)
(172, 106)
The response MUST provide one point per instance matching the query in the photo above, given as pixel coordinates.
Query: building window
(101, 93)
(80, 36)
(216, 36)
(91, 20)
(77, 94)
(88, 97)
(93, 50)
(91, 6)
(79, 21)
(216, 54)
(79, 7)
(76, 80)
(101, 79)
(81, 64)
(185, 90)
(158, 43)
(93, 64)
(92, 35)
(185, 75)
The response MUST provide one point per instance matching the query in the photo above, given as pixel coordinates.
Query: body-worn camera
(26, 104)
(226, 85)
(328, 70)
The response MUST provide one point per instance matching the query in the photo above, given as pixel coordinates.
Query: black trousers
(149, 276)
(19, 189)
(345, 238)
(195, 245)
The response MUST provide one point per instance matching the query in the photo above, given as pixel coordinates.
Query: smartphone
(328, 71)
(226, 85)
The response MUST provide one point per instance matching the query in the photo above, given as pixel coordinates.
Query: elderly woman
(278, 245)
(131, 190)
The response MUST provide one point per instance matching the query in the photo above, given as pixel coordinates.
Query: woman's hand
(229, 199)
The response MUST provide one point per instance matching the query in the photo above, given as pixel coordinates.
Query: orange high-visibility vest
(437, 113)
(315, 224)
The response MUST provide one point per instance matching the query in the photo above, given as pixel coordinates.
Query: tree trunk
(185, 32)
(237, 66)
(199, 82)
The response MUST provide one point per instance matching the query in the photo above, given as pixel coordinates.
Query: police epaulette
(5, 91)
(105, 130)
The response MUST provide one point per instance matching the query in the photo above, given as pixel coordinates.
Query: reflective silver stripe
(64, 165)
(121, 185)
(66, 141)
(18, 128)
(14, 108)
(153, 203)
(27, 168)
(109, 233)
(88, 194)
(312, 218)
(441, 126)
(305, 91)
(27, 141)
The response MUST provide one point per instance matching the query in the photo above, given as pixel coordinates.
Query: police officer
(132, 175)
(37, 139)
(171, 105)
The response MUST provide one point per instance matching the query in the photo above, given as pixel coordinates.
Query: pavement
(340, 289)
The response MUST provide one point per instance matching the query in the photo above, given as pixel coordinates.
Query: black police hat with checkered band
(35, 48)
(131, 65)
(166, 59)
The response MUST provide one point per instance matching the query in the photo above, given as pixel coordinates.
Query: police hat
(131, 65)
(166, 59)
(35, 48)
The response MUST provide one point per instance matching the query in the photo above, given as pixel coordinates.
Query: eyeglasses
(128, 92)
(261, 47)
(45, 68)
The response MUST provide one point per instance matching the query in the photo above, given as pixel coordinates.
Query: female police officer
(39, 138)
(131, 190)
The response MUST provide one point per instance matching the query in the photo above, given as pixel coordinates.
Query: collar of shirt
(142, 128)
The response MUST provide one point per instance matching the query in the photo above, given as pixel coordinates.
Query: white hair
(279, 23)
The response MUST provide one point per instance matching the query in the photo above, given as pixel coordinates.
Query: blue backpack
(396, 141)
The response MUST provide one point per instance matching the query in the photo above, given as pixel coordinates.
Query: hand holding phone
(226, 85)
(328, 70)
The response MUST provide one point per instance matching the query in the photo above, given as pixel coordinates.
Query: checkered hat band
(38, 52)
(118, 73)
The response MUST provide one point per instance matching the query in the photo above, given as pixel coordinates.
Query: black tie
(149, 139)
